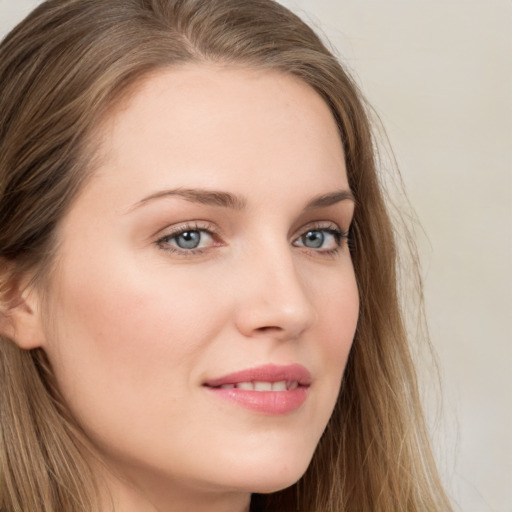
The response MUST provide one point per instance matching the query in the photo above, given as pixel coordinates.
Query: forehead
(220, 127)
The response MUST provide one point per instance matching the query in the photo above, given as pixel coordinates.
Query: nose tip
(275, 304)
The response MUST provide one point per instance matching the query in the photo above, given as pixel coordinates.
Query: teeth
(249, 386)
(262, 386)
(281, 385)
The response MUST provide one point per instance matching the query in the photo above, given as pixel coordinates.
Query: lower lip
(267, 402)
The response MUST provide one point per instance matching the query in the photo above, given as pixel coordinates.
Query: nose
(274, 300)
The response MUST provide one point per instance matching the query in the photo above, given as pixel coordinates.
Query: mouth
(282, 385)
(269, 389)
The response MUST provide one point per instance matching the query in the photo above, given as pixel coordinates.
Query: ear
(20, 318)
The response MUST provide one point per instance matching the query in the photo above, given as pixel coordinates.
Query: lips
(268, 389)
(268, 373)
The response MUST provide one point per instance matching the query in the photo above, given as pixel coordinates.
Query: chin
(276, 485)
(275, 474)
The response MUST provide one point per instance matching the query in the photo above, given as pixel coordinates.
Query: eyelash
(341, 237)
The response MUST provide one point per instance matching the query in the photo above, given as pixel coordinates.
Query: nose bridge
(275, 299)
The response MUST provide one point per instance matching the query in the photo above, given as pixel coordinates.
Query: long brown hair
(61, 69)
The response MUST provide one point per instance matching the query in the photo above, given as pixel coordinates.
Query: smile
(282, 385)
(269, 389)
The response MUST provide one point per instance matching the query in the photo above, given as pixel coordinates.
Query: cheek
(126, 348)
(340, 312)
(118, 325)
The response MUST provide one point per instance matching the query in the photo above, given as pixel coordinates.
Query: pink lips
(267, 389)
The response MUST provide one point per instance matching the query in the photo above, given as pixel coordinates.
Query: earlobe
(20, 318)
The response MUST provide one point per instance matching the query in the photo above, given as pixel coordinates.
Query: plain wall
(439, 74)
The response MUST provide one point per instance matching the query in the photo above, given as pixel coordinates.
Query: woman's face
(204, 302)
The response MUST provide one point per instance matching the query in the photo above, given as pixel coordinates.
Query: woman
(198, 285)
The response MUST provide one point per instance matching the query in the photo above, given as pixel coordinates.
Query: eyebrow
(326, 200)
(235, 202)
(196, 195)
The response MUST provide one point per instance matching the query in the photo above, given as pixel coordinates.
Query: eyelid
(180, 227)
(319, 225)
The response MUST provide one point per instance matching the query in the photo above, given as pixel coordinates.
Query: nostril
(269, 329)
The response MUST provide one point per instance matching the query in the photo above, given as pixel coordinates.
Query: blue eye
(187, 240)
(321, 239)
(313, 239)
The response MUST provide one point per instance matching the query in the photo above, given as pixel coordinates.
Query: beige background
(439, 73)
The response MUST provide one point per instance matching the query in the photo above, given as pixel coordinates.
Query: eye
(187, 240)
(322, 239)
(314, 239)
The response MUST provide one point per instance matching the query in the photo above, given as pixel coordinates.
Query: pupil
(188, 240)
(314, 239)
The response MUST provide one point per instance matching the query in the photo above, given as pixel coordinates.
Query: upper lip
(266, 373)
